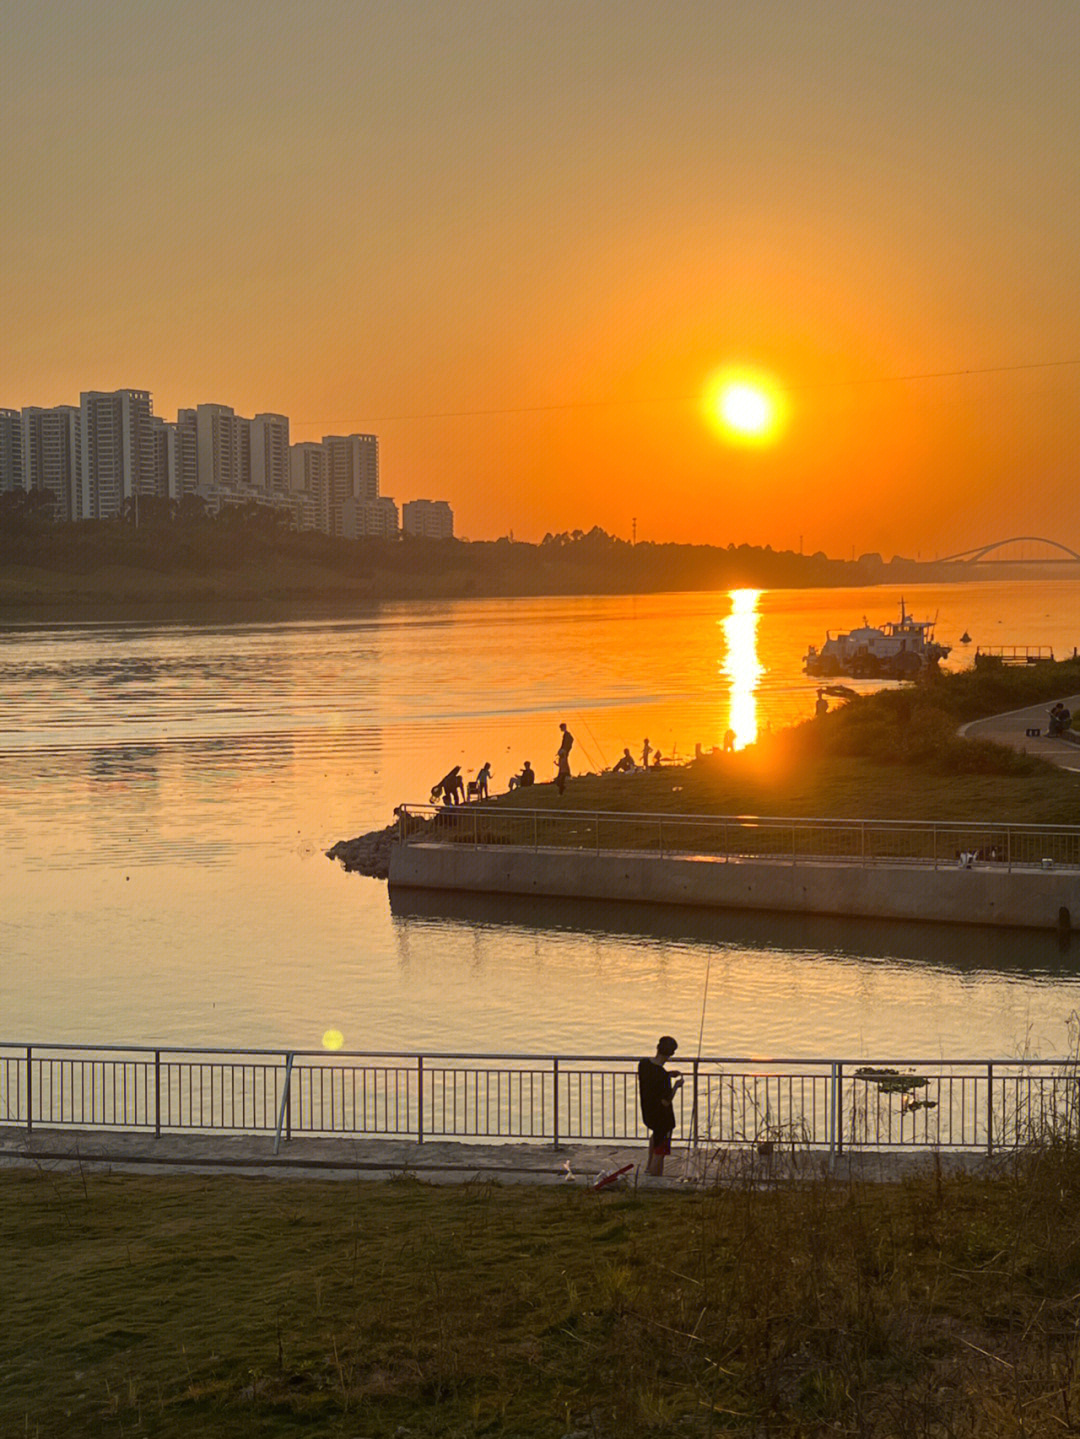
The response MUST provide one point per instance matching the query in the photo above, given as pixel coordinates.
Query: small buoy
(965, 638)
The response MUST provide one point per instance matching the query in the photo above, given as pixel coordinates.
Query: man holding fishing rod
(657, 1090)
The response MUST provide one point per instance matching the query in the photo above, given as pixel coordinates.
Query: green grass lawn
(136, 1305)
(838, 786)
(890, 755)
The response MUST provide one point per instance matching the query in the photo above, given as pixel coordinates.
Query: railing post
(660, 834)
(157, 1093)
(990, 1107)
(420, 1098)
(838, 1094)
(285, 1108)
(555, 1100)
(476, 826)
(694, 1110)
(536, 841)
(29, 1090)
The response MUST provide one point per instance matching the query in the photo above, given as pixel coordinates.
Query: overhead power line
(693, 399)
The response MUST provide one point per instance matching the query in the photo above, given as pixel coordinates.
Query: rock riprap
(367, 853)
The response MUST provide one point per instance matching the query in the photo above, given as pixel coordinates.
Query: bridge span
(979, 555)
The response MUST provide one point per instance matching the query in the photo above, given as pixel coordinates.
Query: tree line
(181, 535)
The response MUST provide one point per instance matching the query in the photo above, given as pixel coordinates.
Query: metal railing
(1014, 655)
(733, 837)
(832, 1104)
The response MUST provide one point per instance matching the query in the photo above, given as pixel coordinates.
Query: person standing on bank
(657, 1089)
(562, 759)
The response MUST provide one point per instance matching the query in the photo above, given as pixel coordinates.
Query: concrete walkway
(446, 1162)
(1011, 729)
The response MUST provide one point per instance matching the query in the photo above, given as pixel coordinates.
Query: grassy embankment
(890, 755)
(228, 1306)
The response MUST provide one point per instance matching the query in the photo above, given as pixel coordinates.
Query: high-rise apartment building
(307, 477)
(186, 446)
(51, 458)
(222, 445)
(369, 519)
(112, 448)
(11, 451)
(270, 461)
(117, 451)
(352, 472)
(431, 519)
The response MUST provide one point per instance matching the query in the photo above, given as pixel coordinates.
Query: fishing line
(596, 742)
(588, 757)
(695, 1139)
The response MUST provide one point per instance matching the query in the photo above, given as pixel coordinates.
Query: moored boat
(895, 650)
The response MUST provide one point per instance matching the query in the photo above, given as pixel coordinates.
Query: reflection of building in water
(741, 665)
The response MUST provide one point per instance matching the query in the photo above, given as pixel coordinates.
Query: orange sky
(392, 215)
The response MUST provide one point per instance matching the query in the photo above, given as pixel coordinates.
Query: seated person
(657, 757)
(525, 778)
(1060, 719)
(625, 765)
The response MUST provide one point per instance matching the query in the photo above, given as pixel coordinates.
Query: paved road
(1011, 729)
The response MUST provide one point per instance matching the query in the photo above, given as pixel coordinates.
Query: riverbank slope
(199, 1304)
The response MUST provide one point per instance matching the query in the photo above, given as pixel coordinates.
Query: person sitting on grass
(525, 778)
(625, 765)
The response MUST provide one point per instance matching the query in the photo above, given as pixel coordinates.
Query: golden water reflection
(741, 665)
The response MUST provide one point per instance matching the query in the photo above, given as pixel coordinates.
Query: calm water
(169, 791)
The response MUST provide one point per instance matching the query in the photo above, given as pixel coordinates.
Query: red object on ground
(603, 1180)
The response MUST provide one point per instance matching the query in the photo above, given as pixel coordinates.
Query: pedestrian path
(1013, 728)
(451, 1162)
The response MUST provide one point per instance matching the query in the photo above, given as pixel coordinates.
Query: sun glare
(747, 409)
(741, 665)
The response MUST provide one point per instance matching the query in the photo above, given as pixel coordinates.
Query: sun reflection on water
(741, 665)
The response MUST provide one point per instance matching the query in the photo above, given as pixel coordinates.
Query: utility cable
(689, 399)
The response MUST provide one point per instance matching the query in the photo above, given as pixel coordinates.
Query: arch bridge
(1062, 555)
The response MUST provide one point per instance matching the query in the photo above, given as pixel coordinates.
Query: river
(169, 792)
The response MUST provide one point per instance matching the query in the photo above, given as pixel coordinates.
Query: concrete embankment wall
(985, 894)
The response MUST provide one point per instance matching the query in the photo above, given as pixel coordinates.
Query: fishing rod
(697, 1061)
(596, 742)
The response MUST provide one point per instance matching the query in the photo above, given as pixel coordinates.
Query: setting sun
(747, 409)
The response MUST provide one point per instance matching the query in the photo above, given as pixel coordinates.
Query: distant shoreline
(115, 571)
(283, 585)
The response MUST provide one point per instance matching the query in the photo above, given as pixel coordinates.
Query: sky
(517, 238)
